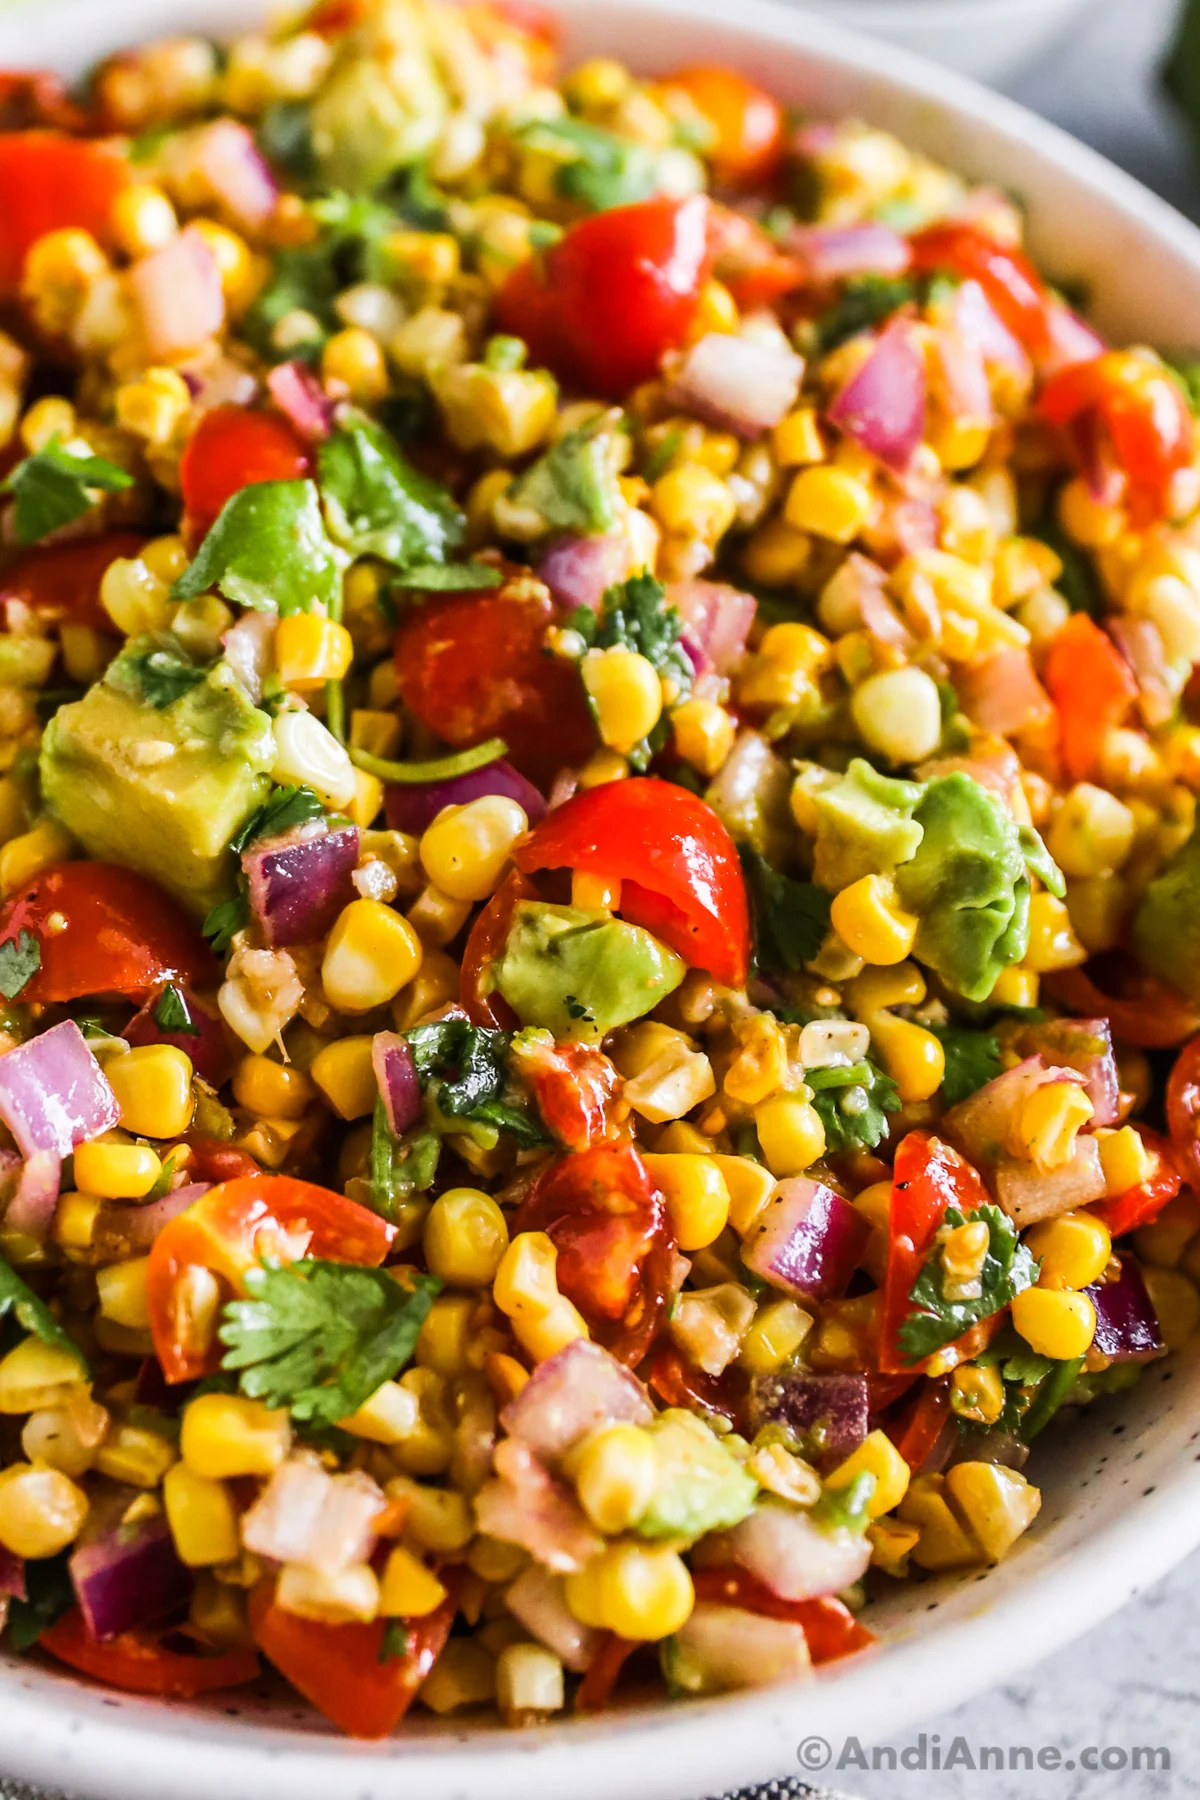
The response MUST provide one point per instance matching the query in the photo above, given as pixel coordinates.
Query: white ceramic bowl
(1121, 1485)
(990, 39)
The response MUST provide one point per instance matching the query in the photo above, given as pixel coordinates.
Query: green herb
(845, 1509)
(400, 1166)
(636, 617)
(449, 578)
(393, 1646)
(377, 504)
(171, 1013)
(308, 279)
(863, 303)
(663, 454)
(972, 1060)
(321, 1337)
(596, 167)
(149, 145)
(1186, 371)
(465, 1067)
(542, 233)
(170, 1163)
(852, 1102)
(1049, 1396)
(442, 768)
(417, 200)
(1078, 584)
(20, 960)
(49, 1593)
(33, 1315)
(225, 920)
(1008, 1269)
(268, 550)
(285, 810)
(156, 671)
(790, 917)
(54, 486)
(285, 138)
(573, 485)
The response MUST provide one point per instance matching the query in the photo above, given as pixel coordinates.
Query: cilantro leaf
(851, 1102)
(171, 1013)
(49, 1592)
(33, 1315)
(399, 1166)
(377, 504)
(155, 670)
(863, 303)
(309, 278)
(320, 1337)
(20, 960)
(972, 1060)
(304, 280)
(268, 550)
(790, 917)
(449, 578)
(53, 486)
(464, 1068)
(1008, 1269)
(637, 617)
(595, 166)
(225, 920)
(418, 200)
(286, 808)
(285, 138)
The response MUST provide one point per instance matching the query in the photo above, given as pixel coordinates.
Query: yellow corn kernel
(1092, 832)
(116, 1171)
(875, 989)
(664, 1077)
(1164, 1239)
(1048, 1121)
(135, 598)
(493, 1560)
(602, 767)
(997, 1504)
(408, 1590)
(868, 917)
(202, 1517)
(776, 554)
(1017, 987)
(427, 256)
(435, 917)
(371, 954)
(272, 1090)
(349, 1596)
(153, 1088)
(465, 850)
(704, 734)
(696, 1196)
(796, 649)
(790, 1133)
(1125, 1159)
(891, 1546)
(828, 503)
(1052, 942)
(898, 712)
(41, 1511)
(1176, 1303)
(367, 801)
(122, 1291)
(345, 1075)
(526, 1290)
(444, 1340)
(750, 1186)
(75, 1221)
(1073, 1249)
(638, 1591)
(85, 652)
(913, 1057)
(48, 418)
(240, 271)
(717, 309)
(66, 1437)
(964, 1251)
(797, 441)
(143, 219)
(218, 1611)
(352, 363)
(779, 1329)
(309, 651)
(377, 732)
(388, 1417)
(760, 1067)
(977, 1393)
(130, 1454)
(615, 1473)
(463, 1675)
(693, 502)
(429, 1447)
(35, 1375)
(466, 1236)
(945, 1541)
(626, 696)
(877, 1456)
(153, 406)
(225, 1435)
(30, 854)
(1055, 1322)
(529, 1683)
(1088, 520)
(60, 270)
(509, 411)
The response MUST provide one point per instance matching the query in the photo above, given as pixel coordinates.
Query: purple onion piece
(716, 620)
(1127, 1328)
(31, 1209)
(128, 1578)
(577, 570)
(300, 882)
(412, 808)
(737, 383)
(809, 1241)
(302, 400)
(12, 1576)
(837, 252)
(122, 1226)
(53, 1093)
(577, 1390)
(396, 1074)
(882, 407)
(209, 1049)
(829, 1412)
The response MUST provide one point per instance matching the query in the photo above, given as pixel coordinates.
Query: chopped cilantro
(449, 578)
(156, 671)
(285, 138)
(377, 504)
(287, 808)
(308, 278)
(170, 1164)
(1008, 1269)
(1078, 584)
(852, 1101)
(862, 304)
(53, 487)
(321, 1337)
(790, 917)
(637, 617)
(418, 200)
(225, 920)
(20, 960)
(171, 1013)
(399, 1166)
(268, 550)
(659, 459)
(49, 1593)
(464, 1068)
(972, 1060)
(33, 1315)
(596, 167)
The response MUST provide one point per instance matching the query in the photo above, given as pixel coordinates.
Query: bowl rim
(72, 1735)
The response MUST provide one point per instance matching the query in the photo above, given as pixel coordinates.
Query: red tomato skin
(137, 1663)
(1007, 277)
(920, 1427)
(680, 873)
(52, 183)
(485, 943)
(928, 1176)
(603, 1672)
(475, 666)
(1183, 1110)
(122, 934)
(681, 1383)
(232, 447)
(747, 119)
(829, 1625)
(618, 291)
(1142, 1204)
(1144, 415)
(61, 582)
(1092, 687)
(1157, 1018)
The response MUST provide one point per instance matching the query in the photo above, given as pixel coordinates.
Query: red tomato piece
(1143, 416)
(920, 1427)
(1151, 1015)
(748, 261)
(619, 289)
(475, 666)
(231, 448)
(574, 1086)
(1183, 1110)
(603, 1672)
(1092, 687)
(233, 1227)
(747, 121)
(928, 1176)
(30, 97)
(61, 582)
(338, 1667)
(485, 943)
(52, 183)
(1141, 1204)
(829, 1625)
(1007, 277)
(138, 1663)
(121, 935)
(679, 870)
(681, 1383)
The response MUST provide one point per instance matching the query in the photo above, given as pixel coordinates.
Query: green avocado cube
(865, 826)
(581, 974)
(1166, 926)
(700, 1487)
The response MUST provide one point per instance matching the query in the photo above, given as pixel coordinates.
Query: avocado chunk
(865, 826)
(580, 974)
(374, 115)
(160, 788)
(699, 1487)
(573, 486)
(1166, 926)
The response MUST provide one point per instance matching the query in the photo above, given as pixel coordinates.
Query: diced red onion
(828, 1409)
(795, 1558)
(208, 1049)
(31, 1208)
(577, 1390)
(854, 598)
(904, 525)
(836, 252)
(808, 142)
(305, 1515)
(219, 380)
(1029, 1195)
(12, 1575)
(399, 1085)
(1127, 1327)
(882, 407)
(227, 158)
(1002, 694)
(121, 1226)
(128, 1578)
(809, 1240)
(740, 1649)
(965, 390)
(249, 647)
(299, 883)
(577, 570)
(53, 1094)
(1071, 341)
(536, 1601)
(1140, 643)
(526, 1505)
(737, 383)
(980, 324)
(179, 296)
(302, 400)
(717, 617)
(411, 807)
(1084, 1045)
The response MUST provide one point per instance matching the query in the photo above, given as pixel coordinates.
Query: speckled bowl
(1121, 1485)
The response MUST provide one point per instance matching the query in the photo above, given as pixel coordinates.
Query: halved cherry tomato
(829, 1625)
(604, 1671)
(1140, 1204)
(1145, 423)
(60, 583)
(927, 1177)
(1183, 1110)
(681, 1383)
(620, 289)
(485, 944)
(614, 1241)
(679, 871)
(51, 183)
(138, 1663)
(339, 1667)
(232, 447)
(1008, 278)
(215, 1161)
(102, 929)
(748, 261)
(1152, 1015)
(230, 1229)
(575, 1086)
(919, 1428)
(475, 666)
(1092, 687)
(747, 121)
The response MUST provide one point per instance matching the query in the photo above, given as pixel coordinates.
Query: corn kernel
(899, 713)
(1056, 1323)
(529, 1681)
(41, 1511)
(976, 1393)
(465, 850)
(670, 1082)
(796, 441)
(59, 272)
(877, 1456)
(828, 503)
(693, 502)
(348, 1596)
(1047, 1123)
(1016, 987)
(444, 1340)
(634, 1590)
(35, 1375)
(779, 1329)
(66, 1437)
(143, 219)
(1052, 942)
(913, 1057)
(998, 1504)
(891, 1546)
(202, 1518)
(32, 853)
(776, 553)
(408, 1590)
(132, 1455)
(153, 406)
(345, 1075)
(463, 1675)
(241, 273)
(1092, 833)
(152, 1084)
(371, 954)
(272, 1090)
(597, 84)
(309, 651)
(46, 419)
(123, 1294)
(626, 695)
(352, 363)
(703, 734)
(945, 1541)
(1073, 1249)
(308, 753)
(466, 1237)
(615, 1475)
(717, 309)
(1176, 1303)
(526, 1290)
(696, 1196)
(135, 598)
(75, 1221)
(790, 1134)
(868, 917)
(117, 1171)
(225, 1435)
(750, 1186)
(388, 1417)
(429, 1448)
